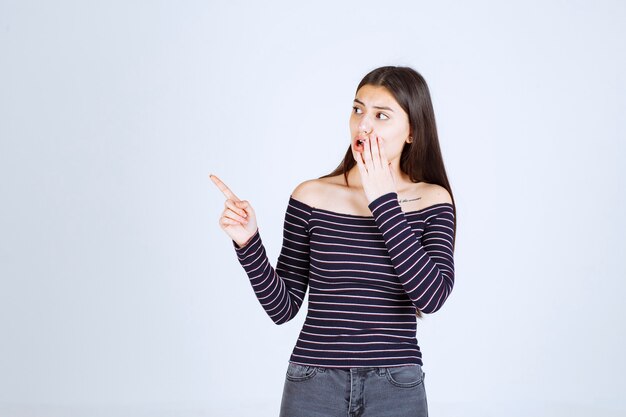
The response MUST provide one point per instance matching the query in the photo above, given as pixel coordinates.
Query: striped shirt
(367, 275)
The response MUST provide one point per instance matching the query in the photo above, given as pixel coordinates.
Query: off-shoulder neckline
(359, 216)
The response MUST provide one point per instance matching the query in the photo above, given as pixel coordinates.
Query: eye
(356, 110)
(384, 115)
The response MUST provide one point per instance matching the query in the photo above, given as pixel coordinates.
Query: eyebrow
(376, 107)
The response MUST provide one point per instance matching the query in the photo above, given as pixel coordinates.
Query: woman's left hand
(374, 168)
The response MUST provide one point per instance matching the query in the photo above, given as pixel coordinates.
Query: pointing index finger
(223, 188)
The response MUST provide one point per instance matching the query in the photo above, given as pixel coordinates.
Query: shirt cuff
(253, 241)
(379, 201)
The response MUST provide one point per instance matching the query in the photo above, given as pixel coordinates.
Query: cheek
(394, 148)
(396, 137)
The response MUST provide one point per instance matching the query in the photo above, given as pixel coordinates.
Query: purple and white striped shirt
(367, 275)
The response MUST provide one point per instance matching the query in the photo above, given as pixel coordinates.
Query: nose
(365, 124)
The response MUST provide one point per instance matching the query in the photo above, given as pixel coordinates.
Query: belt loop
(381, 371)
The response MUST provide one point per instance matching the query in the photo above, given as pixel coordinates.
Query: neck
(354, 176)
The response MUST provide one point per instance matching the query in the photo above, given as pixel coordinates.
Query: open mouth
(359, 145)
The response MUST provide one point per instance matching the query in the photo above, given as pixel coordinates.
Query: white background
(121, 296)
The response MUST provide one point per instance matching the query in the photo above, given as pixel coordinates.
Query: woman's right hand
(238, 219)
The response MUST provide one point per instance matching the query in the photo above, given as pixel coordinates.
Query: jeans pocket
(299, 373)
(407, 376)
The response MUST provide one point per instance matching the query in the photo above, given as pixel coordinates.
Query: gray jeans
(313, 391)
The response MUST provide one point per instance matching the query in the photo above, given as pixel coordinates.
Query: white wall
(121, 296)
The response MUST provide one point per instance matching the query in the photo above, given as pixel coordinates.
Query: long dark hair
(421, 159)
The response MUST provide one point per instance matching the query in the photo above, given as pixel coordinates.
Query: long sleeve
(424, 263)
(280, 290)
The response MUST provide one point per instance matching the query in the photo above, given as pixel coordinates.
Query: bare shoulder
(436, 194)
(308, 192)
(317, 192)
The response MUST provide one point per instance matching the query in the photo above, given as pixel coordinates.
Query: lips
(359, 142)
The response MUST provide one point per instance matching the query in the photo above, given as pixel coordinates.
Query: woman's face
(375, 111)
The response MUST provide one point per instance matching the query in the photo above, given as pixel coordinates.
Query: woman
(374, 241)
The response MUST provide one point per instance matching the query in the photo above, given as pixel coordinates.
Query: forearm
(273, 293)
(426, 276)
